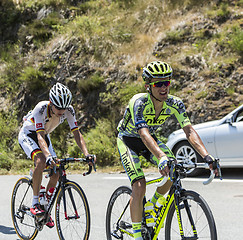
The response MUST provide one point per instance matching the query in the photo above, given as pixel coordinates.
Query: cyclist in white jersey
(35, 141)
(144, 114)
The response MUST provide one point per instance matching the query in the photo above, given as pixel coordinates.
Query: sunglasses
(58, 108)
(160, 83)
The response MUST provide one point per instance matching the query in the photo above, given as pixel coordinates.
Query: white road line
(186, 180)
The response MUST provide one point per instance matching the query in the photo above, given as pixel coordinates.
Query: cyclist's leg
(40, 163)
(29, 143)
(54, 178)
(132, 166)
(160, 191)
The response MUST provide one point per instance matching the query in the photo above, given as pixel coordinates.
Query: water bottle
(160, 202)
(148, 210)
(42, 196)
(49, 193)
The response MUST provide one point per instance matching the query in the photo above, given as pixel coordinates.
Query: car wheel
(184, 152)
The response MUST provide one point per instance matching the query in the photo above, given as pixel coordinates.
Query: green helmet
(156, 69)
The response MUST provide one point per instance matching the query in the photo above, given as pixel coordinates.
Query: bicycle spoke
(23, 220)
(75, 222)
(201, 217)
(118, 215)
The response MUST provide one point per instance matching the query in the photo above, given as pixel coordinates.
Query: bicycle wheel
(118, 218)
(75, 223)
(201, 215)
(21, 201)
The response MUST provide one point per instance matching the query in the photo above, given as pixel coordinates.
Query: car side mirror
(230, 120)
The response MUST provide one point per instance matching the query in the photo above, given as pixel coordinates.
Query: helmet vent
(162, 67)
(156, 67)
(166, 67)
(150, 69)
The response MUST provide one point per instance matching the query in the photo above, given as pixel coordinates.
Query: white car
(222, 138)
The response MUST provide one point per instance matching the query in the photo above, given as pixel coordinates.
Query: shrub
(33, 77)
(59, 138)
(236, 40)
(100, 141)
(91, 83)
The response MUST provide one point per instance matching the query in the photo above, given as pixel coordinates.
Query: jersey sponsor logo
(71, 110)
(76, 124)
(28, 141)
(168, 111)
(42, 109)
(185, 115)
(175, 103)
(38, 125)
(153, 121)
(127, 166)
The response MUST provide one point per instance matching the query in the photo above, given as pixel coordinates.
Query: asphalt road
(225, 199)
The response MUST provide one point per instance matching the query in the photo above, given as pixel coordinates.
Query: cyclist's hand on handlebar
(91, 159)
(213, 165)
(50, 161)
(163, 166)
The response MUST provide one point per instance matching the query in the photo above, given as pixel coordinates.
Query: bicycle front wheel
(75, 222)
(118, 220)
(191, 204)
(21, 202)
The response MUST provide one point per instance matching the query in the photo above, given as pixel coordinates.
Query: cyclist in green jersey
(144, 114)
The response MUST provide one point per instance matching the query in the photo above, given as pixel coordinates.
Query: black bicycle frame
(62, 181)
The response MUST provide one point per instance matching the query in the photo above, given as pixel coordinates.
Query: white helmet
(60, 96)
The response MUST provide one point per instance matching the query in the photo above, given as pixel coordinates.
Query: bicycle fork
(178, 208)
(76, 216)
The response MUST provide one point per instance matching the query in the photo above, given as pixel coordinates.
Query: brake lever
(90, 167)
(219, 171)
(94, 165)
(89, 171)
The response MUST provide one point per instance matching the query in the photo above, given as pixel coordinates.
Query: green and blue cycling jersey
(140, 113)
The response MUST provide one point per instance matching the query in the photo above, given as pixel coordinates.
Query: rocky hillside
(98, 49)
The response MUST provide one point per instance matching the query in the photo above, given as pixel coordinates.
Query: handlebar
(64, 161)
(182, 166)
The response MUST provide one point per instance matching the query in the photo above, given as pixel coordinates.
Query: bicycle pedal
(125, 225)
(115, 235)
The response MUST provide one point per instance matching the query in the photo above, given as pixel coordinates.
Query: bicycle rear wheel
(75, 223)
(118, 220)
(201, 215)
(21, 201)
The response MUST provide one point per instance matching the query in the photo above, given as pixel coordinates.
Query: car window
(239, 117)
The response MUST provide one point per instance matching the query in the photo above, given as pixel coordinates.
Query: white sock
(35, 200)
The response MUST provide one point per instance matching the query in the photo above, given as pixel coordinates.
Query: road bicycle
(185, 214)
(72, 214)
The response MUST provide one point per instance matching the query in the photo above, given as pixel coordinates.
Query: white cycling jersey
(41, 119)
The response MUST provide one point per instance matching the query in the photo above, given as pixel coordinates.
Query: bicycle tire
(118, 201)
(72, 227)
(201, 214)
(21, 200)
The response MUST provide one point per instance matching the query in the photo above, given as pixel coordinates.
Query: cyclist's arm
(195, 140)
(80, 141)
(197, 143)
(150, 143)
(152, 146)
(42, 143)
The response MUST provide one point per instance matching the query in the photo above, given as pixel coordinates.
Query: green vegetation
(93, 82)
(98, 48)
